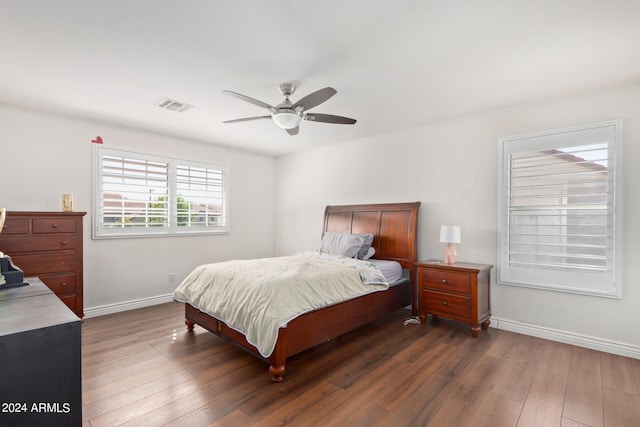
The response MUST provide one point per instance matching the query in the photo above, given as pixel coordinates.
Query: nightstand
(457, 291)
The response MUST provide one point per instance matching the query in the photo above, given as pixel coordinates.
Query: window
(142, 195)
(559, 210)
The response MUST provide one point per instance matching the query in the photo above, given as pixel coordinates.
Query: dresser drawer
(35, 265)
(13, 245)
(445, 305)
(70, 301)
(447, 281)
(53, 225)
(15, 226)
(60, 285)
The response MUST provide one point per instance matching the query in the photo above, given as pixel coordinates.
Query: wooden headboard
(394, 226)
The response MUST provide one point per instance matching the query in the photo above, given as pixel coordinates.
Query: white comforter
(257, 297)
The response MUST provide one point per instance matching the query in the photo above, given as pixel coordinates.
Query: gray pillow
(342, 244)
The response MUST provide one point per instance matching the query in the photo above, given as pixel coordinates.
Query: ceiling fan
(288, 115)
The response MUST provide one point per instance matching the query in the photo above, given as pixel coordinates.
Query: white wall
(43, 156)
(451, 167)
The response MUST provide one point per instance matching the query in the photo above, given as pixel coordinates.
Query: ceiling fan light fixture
(288, 115)
(287, 119)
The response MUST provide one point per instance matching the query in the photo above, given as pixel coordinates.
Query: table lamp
(449, 234)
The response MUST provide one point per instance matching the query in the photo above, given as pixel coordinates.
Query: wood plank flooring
(142, 368)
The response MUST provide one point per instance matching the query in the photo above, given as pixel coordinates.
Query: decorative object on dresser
(48, 245)
(458, 291)
(67, 202)
(449, 234)
(10, 275)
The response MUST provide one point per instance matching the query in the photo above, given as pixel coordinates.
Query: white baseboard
(126, 305)
(551, 334)
(579, 340)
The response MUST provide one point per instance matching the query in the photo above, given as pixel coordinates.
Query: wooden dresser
(48, 245)
(457, 291)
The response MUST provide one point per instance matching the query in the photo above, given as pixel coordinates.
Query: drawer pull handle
(444, 281)
(54, 225)
(64, 284)
(63, 243)
(444, 303)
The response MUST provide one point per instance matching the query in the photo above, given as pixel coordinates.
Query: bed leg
(278, 357)
(276, 373)
(189, 324)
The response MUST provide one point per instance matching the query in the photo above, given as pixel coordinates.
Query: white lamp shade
(450, 234)
(286, 120)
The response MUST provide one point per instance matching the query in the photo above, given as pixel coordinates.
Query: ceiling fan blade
(329, 118)
(250, 100)
(293, 131)
(316, 98)
(247, 119)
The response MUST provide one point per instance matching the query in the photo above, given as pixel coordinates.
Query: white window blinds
(200, 196)
(134, 192)
(142, 195)
(558, 210)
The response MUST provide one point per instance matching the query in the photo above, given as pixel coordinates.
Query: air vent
(171, 105)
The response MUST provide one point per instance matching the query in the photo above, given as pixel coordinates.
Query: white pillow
(341, 244)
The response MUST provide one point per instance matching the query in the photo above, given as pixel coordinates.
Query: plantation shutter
(200, 196)
(134, 192)
(558, 210)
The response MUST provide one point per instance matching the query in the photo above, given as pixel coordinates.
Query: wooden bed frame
(394, 227)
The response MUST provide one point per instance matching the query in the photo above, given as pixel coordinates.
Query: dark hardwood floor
(142, 368)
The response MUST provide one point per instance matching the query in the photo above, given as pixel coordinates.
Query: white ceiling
(395, 63)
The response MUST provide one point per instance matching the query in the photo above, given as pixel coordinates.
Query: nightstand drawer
(445, 304)
(447, 281)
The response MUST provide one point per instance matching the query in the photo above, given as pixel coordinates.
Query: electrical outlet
(172, 277)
